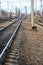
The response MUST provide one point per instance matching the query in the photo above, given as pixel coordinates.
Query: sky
(10, 5)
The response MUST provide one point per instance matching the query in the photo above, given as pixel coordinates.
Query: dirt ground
(4, 24)
(31, 47)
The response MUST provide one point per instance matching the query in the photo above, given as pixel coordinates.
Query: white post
(32, 12)
(0, 10)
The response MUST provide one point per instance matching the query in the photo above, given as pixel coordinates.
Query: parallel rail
(39, 23)
(3, 53)
(8, 25)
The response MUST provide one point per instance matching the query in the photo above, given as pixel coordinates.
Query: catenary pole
(41, 7)
(0, 10)
(32, 12)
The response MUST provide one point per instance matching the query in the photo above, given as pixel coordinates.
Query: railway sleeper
(12, 60)
(14, 57)
(16, 48)
(10, 64)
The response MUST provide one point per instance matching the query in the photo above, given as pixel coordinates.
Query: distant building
(4, 15)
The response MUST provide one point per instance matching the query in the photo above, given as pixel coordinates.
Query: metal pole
(16, 10)
(8, 7)
(0, 10)
(12, 10)
(32, 12)
(41, 7)
(20, 8)
(26, 11)
(34, 28)
(36, 7)
(19, 12)
(12, 7)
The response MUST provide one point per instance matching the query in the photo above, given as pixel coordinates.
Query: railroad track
(6, 34)
(13, 21)
(39, 22)
(13, 55)
(8, 44)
